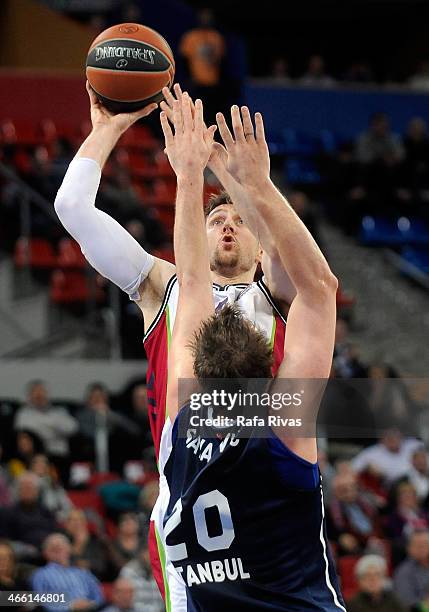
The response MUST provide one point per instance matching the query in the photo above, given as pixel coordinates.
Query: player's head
(227, 345)
(233, 248)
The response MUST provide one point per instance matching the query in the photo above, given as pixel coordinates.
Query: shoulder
(404, 568)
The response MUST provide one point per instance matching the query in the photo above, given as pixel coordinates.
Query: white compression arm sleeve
(108, 247)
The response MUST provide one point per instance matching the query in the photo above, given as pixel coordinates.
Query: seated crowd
(62, 522)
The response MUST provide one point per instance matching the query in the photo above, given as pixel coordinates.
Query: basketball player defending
(234, 254)
(244, 525)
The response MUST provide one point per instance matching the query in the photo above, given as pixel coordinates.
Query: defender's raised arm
(188, 150)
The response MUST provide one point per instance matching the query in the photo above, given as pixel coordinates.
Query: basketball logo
(121, 63)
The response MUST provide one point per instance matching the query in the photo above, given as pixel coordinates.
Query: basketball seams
(127, 101)
(116, 70)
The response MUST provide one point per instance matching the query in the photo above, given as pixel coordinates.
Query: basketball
(128, 65)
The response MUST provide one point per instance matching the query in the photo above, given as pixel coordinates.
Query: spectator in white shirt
(53, 424)
(418, 474)
(389, 459)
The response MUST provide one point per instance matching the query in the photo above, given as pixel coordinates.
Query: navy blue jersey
(244, 526)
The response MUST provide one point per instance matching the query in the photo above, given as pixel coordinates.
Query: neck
(243, 277)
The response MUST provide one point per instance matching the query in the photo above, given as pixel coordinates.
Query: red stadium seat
(346, 570)
(99, 478)
(35, 252)
(166, 254)
(70, 255)
(163, 193)
(87, 500)
(68, 287)
(140, 138)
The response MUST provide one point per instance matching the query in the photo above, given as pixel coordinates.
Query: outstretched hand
(218, 156)
(101, 117)
(247, 156)
(189, 148)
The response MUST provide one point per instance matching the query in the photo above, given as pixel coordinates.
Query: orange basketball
(128, 65)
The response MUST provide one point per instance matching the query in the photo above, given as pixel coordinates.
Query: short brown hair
(227, 345)
(215, 200)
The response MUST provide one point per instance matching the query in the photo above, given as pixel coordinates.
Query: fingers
(167, 131)
(169, 98)
(177, 117)
(178, 91)
(260, 131)
(147, 110)
(198, 116)
(224, 131)
(188, 123)
(167, 110)
(237, 125)
(91, 93)
(209, 135)
(247, 123)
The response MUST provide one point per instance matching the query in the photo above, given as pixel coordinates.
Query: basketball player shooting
(244, 526)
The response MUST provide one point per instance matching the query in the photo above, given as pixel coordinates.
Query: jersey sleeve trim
(263, 287)
(163, 306)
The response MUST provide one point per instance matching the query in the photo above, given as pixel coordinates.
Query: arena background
(344, 90)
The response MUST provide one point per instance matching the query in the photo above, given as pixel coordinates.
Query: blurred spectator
(389, 459)
(52, 495)
(58, 576)
(138, 413)
(122, 597)
(420, 80)
(11, 576)
(28, 444)
(53, 424)
(40, 177)
(389, 399)
(374, 592)
(416, 162)
(5, 494)
(280, 71)
(378, 144)
(352, 519)
(359, 72)
(127, 542)
(147, 499)
(418, 473)
(118, 197)
(411, 578)
(204, 48)
(422, 606)
(88, 550)
(346, 361)
(316, 75)
(97, 425)
(28, 522)
(305, 209)
(139, 572)
(407, 515)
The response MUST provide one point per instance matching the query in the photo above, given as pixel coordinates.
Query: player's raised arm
(309, 340)
(188, 151)
(225, 162)
(108, 247)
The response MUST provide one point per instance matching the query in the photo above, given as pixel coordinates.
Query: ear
(259, 255)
